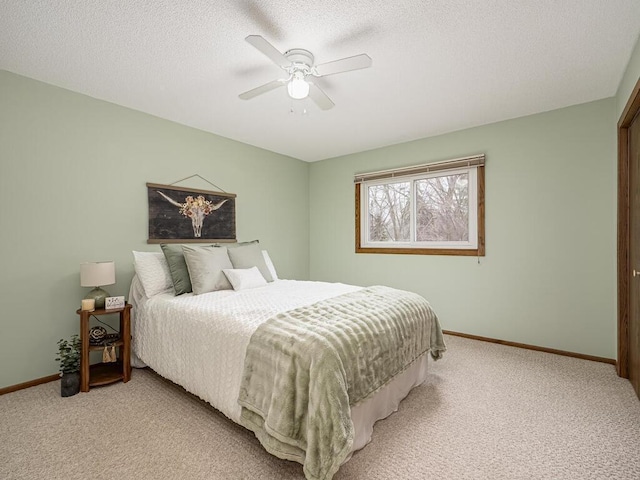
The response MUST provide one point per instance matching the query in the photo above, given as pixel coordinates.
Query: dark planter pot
(70, 384)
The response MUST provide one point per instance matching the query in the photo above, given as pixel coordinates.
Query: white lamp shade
(297, 87)
(97, 274)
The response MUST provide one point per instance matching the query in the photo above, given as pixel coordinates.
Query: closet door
(634, 255)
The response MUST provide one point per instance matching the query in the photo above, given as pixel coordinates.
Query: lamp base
(99, 295)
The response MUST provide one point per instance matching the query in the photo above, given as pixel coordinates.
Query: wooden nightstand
(105, 373)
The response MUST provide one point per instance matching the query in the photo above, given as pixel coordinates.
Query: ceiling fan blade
(317, 95)
(267, 87)
(269, 50)
(344, 65)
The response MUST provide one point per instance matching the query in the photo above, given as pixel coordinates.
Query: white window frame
(472, 243)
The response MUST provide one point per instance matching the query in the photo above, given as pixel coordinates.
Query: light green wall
(548, 277)
(629, 80)
(72, 188)
(66, 160)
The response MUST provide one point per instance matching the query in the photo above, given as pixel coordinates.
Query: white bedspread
(173, 334)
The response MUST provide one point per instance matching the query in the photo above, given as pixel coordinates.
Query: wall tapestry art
(183, 215)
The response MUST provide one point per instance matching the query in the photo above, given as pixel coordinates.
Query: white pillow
(243, 278)
(267, 260)
(153, 271)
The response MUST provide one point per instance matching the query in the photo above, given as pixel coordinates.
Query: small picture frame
(111, 303)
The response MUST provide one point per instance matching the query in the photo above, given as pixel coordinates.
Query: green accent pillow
(178, 268)
(205, 266)
(247, 256)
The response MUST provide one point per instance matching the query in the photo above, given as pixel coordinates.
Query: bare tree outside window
(442, 208)
(390, 212)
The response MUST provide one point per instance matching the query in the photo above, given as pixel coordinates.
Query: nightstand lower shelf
(105, 373)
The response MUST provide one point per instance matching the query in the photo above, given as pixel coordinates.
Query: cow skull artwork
(196, 209)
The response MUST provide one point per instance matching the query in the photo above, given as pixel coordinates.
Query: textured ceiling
(438, 66)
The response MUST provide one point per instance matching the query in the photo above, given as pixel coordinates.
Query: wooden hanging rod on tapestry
(189, 189)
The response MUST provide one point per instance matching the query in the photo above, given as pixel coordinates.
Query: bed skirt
(386, 401)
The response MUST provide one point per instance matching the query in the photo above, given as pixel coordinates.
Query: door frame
(624, 268)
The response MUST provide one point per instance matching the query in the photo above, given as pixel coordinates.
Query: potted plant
(69, 358)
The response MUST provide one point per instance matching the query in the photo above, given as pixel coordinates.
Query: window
(433, 209)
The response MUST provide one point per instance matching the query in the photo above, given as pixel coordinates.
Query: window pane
(390, 212)
(442, 205)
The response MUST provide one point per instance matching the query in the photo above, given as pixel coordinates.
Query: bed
(210, 344)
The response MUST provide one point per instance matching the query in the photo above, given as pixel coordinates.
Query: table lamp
(97, 274)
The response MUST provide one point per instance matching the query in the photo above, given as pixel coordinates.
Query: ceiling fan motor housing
(301, 59)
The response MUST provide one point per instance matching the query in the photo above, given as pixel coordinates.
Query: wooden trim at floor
(52, 378)
(533, 347)
(31, 383)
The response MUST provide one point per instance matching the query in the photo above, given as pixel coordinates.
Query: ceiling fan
(300, 68)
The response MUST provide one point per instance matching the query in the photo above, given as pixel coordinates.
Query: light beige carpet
(486, 412)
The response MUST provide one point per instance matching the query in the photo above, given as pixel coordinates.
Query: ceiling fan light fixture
(297, 87)
(299, 64)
